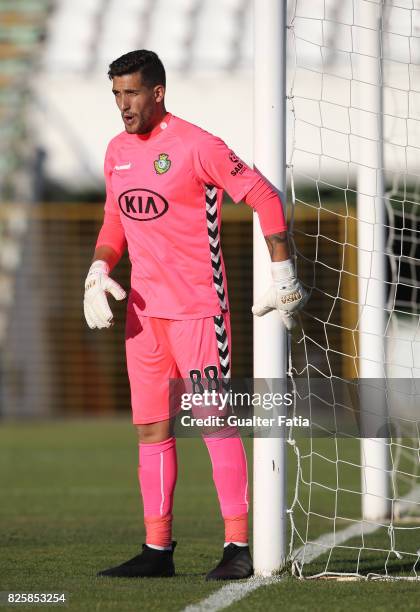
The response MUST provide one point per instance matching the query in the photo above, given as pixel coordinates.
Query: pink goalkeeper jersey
(167, 187)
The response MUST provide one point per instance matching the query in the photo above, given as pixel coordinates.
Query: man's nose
(125, 103)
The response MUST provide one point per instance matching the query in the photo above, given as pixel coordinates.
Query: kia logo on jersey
(142, 204)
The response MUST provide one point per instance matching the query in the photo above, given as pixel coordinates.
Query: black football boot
(150, 563)
(236, 564)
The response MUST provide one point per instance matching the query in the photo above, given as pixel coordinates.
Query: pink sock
(157, 476)
(230, 476)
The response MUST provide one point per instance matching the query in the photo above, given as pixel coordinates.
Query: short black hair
(143, 61)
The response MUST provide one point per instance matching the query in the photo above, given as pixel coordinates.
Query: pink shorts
(160, 349)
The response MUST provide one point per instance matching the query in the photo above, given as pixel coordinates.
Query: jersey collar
(160, 127)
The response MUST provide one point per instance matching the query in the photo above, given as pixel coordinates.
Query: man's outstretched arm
(286, 294)
(215, 164)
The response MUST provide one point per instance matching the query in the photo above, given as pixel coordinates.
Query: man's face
(139, 105)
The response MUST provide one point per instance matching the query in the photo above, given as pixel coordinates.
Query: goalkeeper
(164, 185)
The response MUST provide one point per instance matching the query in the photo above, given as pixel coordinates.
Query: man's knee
(154, 432)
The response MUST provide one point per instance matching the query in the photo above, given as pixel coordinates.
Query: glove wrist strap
(282, 270)
(99, 266)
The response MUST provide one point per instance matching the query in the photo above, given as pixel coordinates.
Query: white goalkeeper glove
(286, 294)
(97, 311)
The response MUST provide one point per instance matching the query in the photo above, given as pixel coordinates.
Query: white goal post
(270, 340)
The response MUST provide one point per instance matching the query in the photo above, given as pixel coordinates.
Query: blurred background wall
(57, 115)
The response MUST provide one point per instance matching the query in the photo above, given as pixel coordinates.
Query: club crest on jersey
(162, 164)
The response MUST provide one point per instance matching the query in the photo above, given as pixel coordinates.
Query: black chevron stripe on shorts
(222, 345)
(214, 242)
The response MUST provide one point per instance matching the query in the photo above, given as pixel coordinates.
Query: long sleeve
(267, 204)
(112, 233)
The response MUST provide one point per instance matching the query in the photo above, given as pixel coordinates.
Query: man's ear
(159, 92)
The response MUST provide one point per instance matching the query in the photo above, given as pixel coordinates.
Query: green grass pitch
(70, 506)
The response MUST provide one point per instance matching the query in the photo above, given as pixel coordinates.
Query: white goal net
(354, 160)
